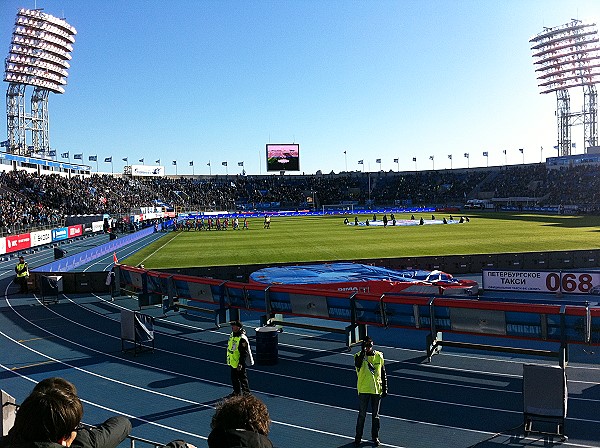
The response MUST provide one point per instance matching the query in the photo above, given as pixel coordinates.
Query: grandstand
(71, 323)
(32, 200)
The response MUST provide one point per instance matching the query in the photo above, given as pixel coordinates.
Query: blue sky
(216, 80)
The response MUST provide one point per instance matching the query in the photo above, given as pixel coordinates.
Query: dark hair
(237, 323)
(55, 382)
(242, 412)
(367, 342)
(46, 416)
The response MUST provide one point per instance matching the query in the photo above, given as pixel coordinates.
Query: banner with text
(41, 237)
(15, 243)
(577, 282)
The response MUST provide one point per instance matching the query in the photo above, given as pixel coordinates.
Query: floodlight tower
(568, 56)
(38, 56)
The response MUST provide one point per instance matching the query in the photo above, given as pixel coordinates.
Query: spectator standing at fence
(106, 435)
(241, 421)
(372, 386)
(22, 270)
(238, 349)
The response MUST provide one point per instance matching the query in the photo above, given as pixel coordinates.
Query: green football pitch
(302, 239)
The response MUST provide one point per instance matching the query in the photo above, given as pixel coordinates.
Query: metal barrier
(133, 440)
(564, 324)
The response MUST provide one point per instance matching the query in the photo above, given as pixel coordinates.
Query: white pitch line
(178, 233)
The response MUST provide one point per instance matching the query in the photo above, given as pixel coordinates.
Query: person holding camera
(371, 385)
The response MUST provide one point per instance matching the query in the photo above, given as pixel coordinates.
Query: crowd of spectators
(19, 212)
(31, 201)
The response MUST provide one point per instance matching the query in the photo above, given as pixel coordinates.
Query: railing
(133, 440)
(553, 323)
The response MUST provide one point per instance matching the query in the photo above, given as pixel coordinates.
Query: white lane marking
(114, 411)
(199, 379)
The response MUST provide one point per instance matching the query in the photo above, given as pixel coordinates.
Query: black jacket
(237, 438)
(107, 435)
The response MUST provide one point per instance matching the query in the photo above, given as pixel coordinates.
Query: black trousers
(239, 380)
(363, 404)
(22, 282)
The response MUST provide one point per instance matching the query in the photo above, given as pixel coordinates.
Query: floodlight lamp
(41, 46)
(567, 56)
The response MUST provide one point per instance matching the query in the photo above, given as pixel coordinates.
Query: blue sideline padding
(74, 261)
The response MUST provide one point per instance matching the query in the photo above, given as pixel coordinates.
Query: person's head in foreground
(47, 415)
(242, 420)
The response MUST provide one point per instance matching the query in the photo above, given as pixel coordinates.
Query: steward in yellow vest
(372, 386)
(22, 270)
(238, 349)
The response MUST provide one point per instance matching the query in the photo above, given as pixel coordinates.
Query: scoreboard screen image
(283, 157)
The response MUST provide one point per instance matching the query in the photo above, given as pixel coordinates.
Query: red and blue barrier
(558, 323)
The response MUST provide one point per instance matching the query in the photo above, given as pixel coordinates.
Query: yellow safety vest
(233, 351)
(22, 270)
(369, 380)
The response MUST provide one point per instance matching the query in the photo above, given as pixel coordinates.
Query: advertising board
(41, 237)
(15, 243)
(62, 233)
(97, 226)
(567, 282)
(147, 170)
(75, 230)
